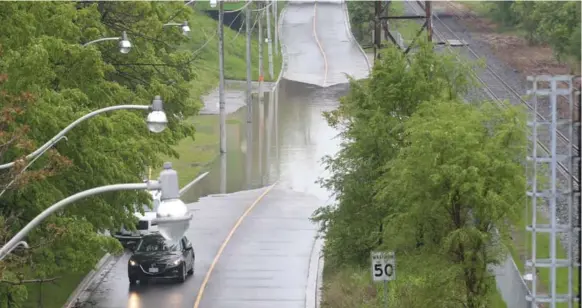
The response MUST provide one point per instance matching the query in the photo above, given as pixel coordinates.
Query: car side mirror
(188, 247)
(131, 246)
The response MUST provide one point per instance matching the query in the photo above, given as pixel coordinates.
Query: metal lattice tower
(552, 183)
(577, 197)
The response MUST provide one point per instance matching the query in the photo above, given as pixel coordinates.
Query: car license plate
(153, 269)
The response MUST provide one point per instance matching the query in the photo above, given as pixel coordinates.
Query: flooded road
(290, 138)
(255, 245)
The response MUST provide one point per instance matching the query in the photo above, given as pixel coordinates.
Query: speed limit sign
(383, 266)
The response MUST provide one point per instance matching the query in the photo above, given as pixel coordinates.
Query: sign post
(384, 269)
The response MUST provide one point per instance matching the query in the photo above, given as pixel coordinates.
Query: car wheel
(191, 271)
(182, 277)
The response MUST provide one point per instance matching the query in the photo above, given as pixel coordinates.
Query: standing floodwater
(290, 136)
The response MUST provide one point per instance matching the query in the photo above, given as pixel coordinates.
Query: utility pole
(221, 101)
(377, 28)
(382, 15)
(270, 43)
(261, 73)
(276, 14)
(249, 97)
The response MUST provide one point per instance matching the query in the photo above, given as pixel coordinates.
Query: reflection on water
(289, 138)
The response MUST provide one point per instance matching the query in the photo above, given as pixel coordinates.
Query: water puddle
(289, 138)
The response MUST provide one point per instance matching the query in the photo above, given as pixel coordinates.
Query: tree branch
(39, 280)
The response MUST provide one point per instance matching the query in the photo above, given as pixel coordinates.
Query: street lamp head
(172, 214)
(124, 44)
(213, 3)
(185, 28)
(157, 120)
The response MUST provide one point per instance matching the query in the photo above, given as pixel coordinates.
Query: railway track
(498, 89)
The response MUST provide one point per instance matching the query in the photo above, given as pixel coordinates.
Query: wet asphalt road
(266, 262)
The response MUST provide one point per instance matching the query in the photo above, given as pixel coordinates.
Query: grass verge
(54, 294)
(196, 154)
(520, 247)
(228, 6)
(421, 281)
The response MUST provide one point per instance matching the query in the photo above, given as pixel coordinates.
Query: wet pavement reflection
(290, 136)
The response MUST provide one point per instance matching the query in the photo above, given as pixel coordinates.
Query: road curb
(196, 180)
(283, 47)
(77, 295)
(314, 275)
(319, 290)
(351, 34)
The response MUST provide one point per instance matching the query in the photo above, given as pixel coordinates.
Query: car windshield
(157, 243)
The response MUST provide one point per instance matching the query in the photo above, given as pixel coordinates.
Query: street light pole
(124, 44)
(172, 214)
(276, 14)
(61, 204)
(157, 121)
(249, 101)
(269, 42)
(221, 101)
(184, 26)
(261, 76)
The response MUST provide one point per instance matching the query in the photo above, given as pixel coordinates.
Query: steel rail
(563, 169)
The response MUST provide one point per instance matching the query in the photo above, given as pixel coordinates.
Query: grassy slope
(197, 154)
(416, 277)
(228, 6)
(194, 154)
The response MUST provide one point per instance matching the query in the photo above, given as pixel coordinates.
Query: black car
(157, 257)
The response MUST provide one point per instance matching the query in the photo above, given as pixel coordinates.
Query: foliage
(501, 12)
(48, 80)
(371, 118)
(554, 23)
(454, 183)
(423, 279)
(361, 17)
(440, 174)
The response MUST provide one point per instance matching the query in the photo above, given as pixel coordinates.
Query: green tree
(361, 17)
(370, 120)
(425, 174)
(457, 181)
(559, 25)
(528, 18)
(44, 58)
(502, 12)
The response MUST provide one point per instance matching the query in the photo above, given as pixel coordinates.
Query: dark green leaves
(424, 174)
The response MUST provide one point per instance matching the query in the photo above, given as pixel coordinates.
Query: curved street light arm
(68, 128)
(21, 243)
(172, 24)
(30, 163)
(18, 238)
(103, 39)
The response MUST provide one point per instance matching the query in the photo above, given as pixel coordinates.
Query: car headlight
(132, 263)
(176, 262)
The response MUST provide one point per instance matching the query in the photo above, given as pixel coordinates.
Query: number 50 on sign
(383, 266)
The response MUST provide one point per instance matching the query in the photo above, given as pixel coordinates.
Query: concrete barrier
(511, 285)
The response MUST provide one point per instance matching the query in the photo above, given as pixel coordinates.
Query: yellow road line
(319, 44)
(226, 240)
